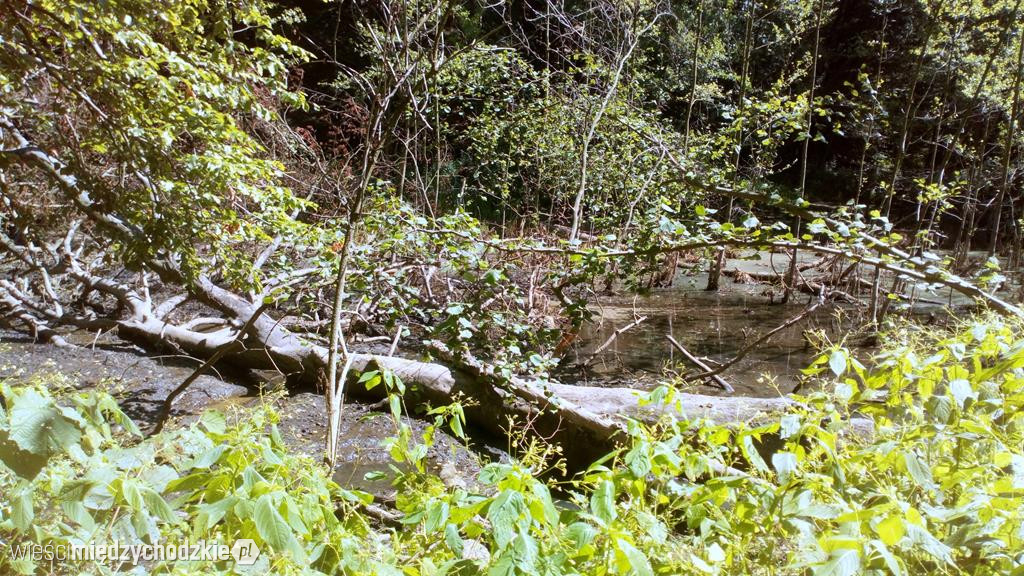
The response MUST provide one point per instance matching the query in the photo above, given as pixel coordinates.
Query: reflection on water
(710, 325)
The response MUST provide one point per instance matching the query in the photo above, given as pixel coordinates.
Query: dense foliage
(146, 107)
(935, 488)
(272, 184)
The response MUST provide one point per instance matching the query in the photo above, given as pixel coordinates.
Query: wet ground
(361, 450)
(717, 325)
(712, 326)
(140, 383)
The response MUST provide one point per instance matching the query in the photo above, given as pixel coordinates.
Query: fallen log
(587, 422)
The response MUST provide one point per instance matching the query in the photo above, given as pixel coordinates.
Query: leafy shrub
(911, 466)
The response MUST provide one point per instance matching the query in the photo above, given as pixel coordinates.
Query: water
(708, 324)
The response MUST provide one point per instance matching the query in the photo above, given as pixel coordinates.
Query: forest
(503, 287)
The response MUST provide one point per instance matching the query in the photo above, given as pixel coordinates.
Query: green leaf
(213, 421)
(751, 453)
(503, 514)
(891, 530)
(837, 362)
(602, 502)
(158, 506)
(437, 516)
(580, 534)
(24, 464)
(890, 560)
(453, 540)
(273, 529)
(22, 512)
(543, 507)
(920, 536)
(789, 426)
(638, 459)
(784, 464)
(961, 391)
(921, 473)
(636, 559)
(131, 493)
(211, 513)
(940, 408)
(844, 562)
(209, 458)
(36, 425)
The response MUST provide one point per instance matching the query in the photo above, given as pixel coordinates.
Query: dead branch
(612, 338)
(234, 344)
(711, 373)
(700, 364)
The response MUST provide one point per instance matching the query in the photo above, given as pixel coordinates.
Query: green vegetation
(352, 194)
(936, 488)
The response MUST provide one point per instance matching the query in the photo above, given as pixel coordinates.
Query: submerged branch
(708, 372)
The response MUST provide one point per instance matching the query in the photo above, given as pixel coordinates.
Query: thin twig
(612, 338)
(165, 410)
(710, 373)
(394, 343)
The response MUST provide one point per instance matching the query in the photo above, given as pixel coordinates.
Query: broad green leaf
(751, 453)
(636, 559)
(24, 464)
(837, 362)
(843, 562)
(273, 529)
(22, 511)
(36, 425)
(961, 391)
(158, 507)
(784, 463)
(503, 514)
(213, 421)
(789, 426)
(580, 534)
(888, 558)
(920, 472)
(602, 501)
(890, 530)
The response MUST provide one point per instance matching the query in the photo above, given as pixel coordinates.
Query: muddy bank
(141, 382)
(361, 450)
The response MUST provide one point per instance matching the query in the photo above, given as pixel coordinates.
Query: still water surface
(708, 324)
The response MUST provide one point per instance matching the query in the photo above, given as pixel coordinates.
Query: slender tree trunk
(693, 76)
(335, 382)
(1011, 133)
(910, 108)
(791, 275)
(871, 124)
(715, 270)
(577, 205)
(969, 227)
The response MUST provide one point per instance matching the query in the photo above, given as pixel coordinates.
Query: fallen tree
(590, 421)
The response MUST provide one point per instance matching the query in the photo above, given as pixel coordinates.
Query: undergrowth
(910, 465)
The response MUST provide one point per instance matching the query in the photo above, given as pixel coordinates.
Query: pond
(713, 325)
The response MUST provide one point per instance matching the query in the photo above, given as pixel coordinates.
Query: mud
(141, 382)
